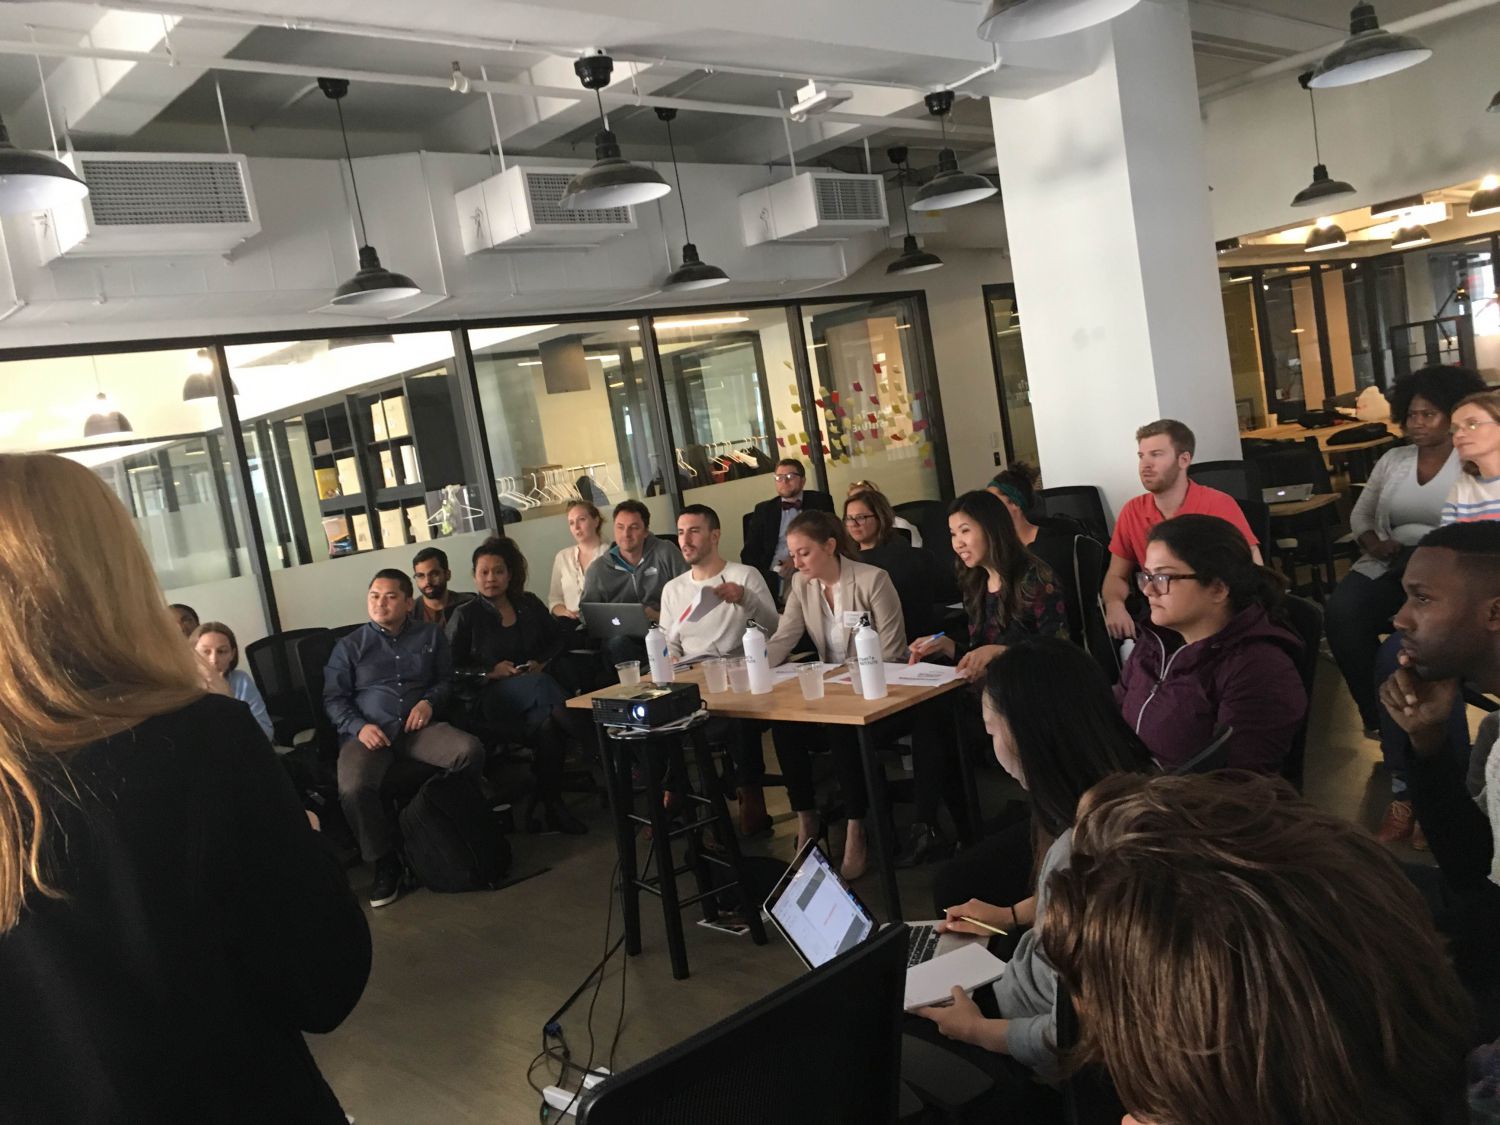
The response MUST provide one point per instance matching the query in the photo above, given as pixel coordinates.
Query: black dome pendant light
(373, 284)
(950, 187)
(105, 420)
(1323, 185)
(201, 383)
(613, 181)
(1014, 21)
(913, 259)
(694, 273)
(1369, 52)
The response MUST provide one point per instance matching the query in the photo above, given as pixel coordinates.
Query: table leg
(715, 793)
(616, 761)
(654, 765)
(880, 803)
(1326, 535)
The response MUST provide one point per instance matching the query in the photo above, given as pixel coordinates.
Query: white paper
(932, 982)
(789, 670)
(912, 675)
(703, 603)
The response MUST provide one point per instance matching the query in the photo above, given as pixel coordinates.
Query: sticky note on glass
(834, 396)
(898, 437)
(927, 464)
(859, 435)
(840, 410)
(870, 417)
(805, 451)
(781, 441)
(796, 408)
(856, 386)
(919, 425)
(819, 402)
(875, 399)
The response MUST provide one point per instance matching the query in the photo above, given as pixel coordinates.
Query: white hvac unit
(522, 207)
(152, 204)
(813, 207)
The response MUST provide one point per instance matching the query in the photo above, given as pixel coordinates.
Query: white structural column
(1111, 244)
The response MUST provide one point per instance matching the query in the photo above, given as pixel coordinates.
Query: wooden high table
(838, 707)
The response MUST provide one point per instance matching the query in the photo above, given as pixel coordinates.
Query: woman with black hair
(1213, 653)
(1056, 730)
(1401, 502)
(1051, 540)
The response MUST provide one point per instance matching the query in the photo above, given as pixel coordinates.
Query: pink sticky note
(781, 441)
(871, 417)
(927, 464)
(874, 433)
(875, 399)
(839, 410)
(857, 387)
(818, 401)
(919, 425)
(859, 435)
(805, 451)
(834, 396)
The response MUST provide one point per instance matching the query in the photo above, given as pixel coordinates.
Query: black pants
(1358, 612)
(935, 727)
(795, 744)
(741, 738)
(997, 870)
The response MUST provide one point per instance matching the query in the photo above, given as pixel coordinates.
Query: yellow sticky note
(796, 408)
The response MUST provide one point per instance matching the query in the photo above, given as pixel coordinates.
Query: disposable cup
(810, 678)
(629, 672)
(716, 675)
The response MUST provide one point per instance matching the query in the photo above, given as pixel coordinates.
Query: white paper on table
(690, 661)
(912, 675)
(790, 670)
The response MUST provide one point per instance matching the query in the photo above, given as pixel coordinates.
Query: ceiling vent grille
(813, 207)
(152, 205)
(521, 208)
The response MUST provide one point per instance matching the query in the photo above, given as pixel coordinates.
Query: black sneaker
(386, 888)
(923, 844)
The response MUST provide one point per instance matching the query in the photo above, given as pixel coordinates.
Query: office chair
(1257, 514)
(1240, 479)
(1082, 502)
(273, 665)
(1090, 564)
(775, 1060)
(1306, 620)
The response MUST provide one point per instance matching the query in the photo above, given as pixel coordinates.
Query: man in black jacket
(765, 538)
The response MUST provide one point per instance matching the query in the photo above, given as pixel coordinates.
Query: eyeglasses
(1161, 583)
(857, 520)
(782, 477)
(1472, 425)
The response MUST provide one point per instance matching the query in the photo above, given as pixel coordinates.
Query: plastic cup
(629, 672)
(810, 678)
(739, 676)
(853, 665)
(716, 675)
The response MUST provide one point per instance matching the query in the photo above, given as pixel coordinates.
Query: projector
(811, 100)
(645, 705)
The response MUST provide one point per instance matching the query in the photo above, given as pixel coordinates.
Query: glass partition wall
(270, 477)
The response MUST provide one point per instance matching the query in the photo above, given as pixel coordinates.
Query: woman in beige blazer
(830, 594)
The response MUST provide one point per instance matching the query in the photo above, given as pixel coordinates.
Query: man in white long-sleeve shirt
(740, 596)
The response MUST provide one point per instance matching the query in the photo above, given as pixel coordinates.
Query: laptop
(820, 916)
(614, 619)
(1286, 494)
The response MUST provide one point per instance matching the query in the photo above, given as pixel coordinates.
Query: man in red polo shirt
(1164, 450)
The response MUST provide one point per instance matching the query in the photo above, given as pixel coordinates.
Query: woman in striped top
(1476, 437)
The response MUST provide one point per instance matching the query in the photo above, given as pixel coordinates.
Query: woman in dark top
(1051, 540)
(508, 637)
(871, 523)
(171, 922)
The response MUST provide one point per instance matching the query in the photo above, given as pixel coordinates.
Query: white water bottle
(659, 655)
(871, 661)
(757, 661)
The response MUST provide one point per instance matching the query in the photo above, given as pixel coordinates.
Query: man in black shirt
(383, 688)
(765, 533)
(438, 604)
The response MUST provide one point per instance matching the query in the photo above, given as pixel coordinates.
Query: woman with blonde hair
(171, 923)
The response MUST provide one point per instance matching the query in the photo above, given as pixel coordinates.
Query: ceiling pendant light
(1485, 201)
(1014, 21)
(1323, 185)
(34, 181)
(694, 273)
(105, 419)
(1327, 235)
(950, 187)
(373, 284)
(1369, 52)
(912, 259)
(613, 181)
(1409, 235)
(201, 384)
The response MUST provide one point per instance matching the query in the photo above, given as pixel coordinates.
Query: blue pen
(932, 640)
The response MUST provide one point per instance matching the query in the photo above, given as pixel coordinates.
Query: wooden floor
(462, 983)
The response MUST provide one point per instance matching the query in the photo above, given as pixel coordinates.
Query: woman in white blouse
(1401, 502)
(568, 567)
(829, 595)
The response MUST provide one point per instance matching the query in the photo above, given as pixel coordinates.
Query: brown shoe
(1418, 837)
(754, 820)
(1397, 824)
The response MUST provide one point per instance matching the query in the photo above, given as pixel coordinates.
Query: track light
(1327, 235)
(950, 187)
(693, 273)
(373, 284)
(1369, 52)
(34, 181)
(912, 259)
(613, 181)
(458, 81)
(1013, 21)
(1323, 185)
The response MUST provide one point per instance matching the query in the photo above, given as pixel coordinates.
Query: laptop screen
(816, 911)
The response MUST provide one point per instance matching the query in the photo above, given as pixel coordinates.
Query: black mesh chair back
(1240, 479)
(341, 631)
(273, 665)
(1081, 502)
(1306, 620)
(930, 518)
(312, 657)
(777, 1060)
(1258, 515)
(1090, 564)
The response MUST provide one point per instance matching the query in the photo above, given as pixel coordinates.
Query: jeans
(361, 770)
(795, 743)
(1395, 746)
(1358, 612)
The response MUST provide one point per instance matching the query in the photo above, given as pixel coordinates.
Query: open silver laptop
(820, 916)
(614, 619)
(1286, 493)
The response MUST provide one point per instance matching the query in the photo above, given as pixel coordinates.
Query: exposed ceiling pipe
(422, 81)
(472, 43)
(1441, 14)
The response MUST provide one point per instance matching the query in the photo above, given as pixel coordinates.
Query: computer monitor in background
(826, 1047)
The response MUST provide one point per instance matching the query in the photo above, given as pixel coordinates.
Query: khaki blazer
(866, 589)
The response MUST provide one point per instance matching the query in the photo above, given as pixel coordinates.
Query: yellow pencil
(983, 925)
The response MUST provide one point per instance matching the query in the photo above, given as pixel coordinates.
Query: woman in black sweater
(508, 637)
(920, 583)
(171, 922)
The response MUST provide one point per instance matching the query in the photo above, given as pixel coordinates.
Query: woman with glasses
(856, 487)
(919, 582)
(1213, 654)
(1475, 495)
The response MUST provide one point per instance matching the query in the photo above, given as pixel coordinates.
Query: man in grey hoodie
(634, 569)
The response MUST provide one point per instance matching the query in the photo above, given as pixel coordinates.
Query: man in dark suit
(765, 538)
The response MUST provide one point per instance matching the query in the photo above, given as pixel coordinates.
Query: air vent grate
(850, 200)
(176, 192)
(544, 190)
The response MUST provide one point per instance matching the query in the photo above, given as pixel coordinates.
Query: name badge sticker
(852, 619)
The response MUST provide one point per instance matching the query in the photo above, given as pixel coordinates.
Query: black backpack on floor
(453, 841)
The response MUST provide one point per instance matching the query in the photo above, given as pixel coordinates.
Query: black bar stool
(661, 754)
